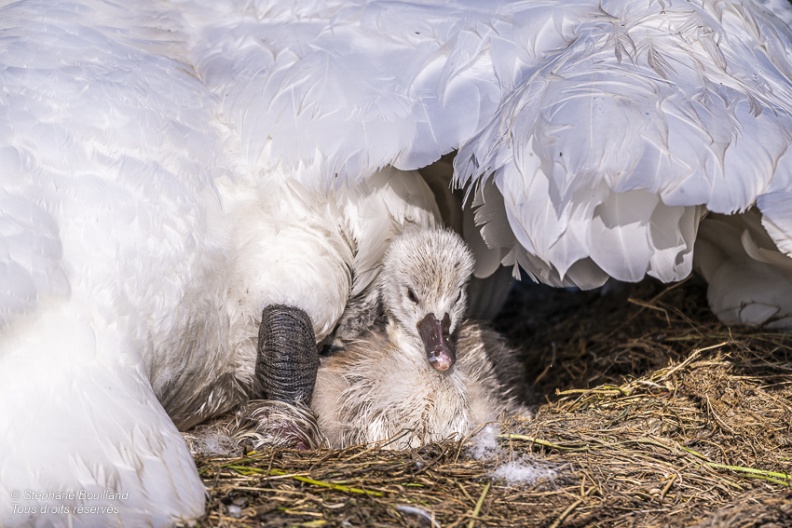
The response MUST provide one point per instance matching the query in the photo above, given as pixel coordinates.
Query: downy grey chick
(427, 374)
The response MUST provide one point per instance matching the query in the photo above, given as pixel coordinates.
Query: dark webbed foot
(257, 424)
(287, 359)
(278, 413)
(273, 423)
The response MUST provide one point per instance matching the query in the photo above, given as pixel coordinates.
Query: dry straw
(649, 414)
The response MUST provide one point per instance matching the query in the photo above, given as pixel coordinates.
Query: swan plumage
(592, 136)
(139, 247)
(737, 252)
(103, 222)
(617, 145)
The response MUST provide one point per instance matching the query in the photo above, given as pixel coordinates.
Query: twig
(307, 480)
(668, 485)
(571, 508)
(544, 443)
(479, 504)
(775, 477)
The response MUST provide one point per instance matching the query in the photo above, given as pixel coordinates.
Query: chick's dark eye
(411, 295)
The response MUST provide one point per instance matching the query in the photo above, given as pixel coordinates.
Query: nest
(650, 413)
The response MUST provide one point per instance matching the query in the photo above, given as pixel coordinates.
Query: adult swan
(173, 172)
(140, 244)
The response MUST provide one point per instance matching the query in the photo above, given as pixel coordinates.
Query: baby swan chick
(427, 374)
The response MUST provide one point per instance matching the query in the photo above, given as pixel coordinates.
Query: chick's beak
(437, 341)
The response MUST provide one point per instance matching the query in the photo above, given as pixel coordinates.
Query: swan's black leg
(287, 359)
(279, 412)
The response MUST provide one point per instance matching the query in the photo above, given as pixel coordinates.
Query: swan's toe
(257, 424)
(287, 359)
(272, 423)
